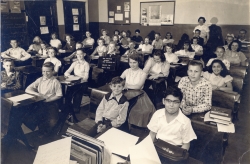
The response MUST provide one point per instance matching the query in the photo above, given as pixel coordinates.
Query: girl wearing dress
(234, 55)
(168, 38)
(186, 51)
(218, 76)
(135, 78)
(88, 41)
(169, 53)
(70, 45)
(105, 36)
(100, 50)
(52, 51)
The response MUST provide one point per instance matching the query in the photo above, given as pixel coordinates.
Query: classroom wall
(231, 15)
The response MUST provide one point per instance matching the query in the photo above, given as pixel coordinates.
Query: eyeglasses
(174, 102)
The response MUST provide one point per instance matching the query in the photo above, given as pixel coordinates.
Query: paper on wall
(111, 20)
(75, 11)
(111, 13)
(144, 152)
(119, 17)
(44, 30)
(57, 152)
(126, 14)
(76, 27)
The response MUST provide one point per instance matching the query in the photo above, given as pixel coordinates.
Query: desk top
(29, 69)
(130, 94)
(32, 100)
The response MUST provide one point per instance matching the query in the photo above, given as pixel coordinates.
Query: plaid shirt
(199, 96)
(13, 82)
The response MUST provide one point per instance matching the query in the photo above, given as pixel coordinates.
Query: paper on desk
(20, 97)
(115, 159)
(72, 162)
(57, 152)
(144, 152)
(118, 142)
(72, 78)
(226, 128)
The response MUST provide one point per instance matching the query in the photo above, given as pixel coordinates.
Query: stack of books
(86, 149)
(218, 115)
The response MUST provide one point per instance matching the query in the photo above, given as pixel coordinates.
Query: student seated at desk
(157, 43)
(197, 91)
(169, 53)
(137, 38)
(36, 46)
(88, 41)
(168, 38)
(52, 51)
(170, 124)
(229, 38)
(146, 48)
(218, 76)
(100, 50)
(54, 41)
(112, 110)
(75, 92)
(47, 86)
(186, 50)
(70, 45)
(105, 37)
(131, 49)
(16, 53)
(234, 55)
(73, 57)
(43, 52)
(135, 78)
(196, 47)
(220, 53)
(10, 78)
(200, 40)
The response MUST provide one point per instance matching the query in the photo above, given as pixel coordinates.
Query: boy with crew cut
(197, 91)
(49, 87)
(170, 124)
(112, 111)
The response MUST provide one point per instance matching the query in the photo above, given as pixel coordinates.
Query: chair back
(237, 84)
(238, 71)
(6, 106)
(223, 99)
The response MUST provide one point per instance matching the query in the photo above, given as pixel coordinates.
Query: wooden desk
(37, 61)
(30, 74)
(210, 144)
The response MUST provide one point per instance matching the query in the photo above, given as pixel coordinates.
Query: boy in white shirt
(170, 124)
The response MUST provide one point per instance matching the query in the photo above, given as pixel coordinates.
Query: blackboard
(13, 26)
(107, 63)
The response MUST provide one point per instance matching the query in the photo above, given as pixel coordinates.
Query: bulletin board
(119, 11)
(157, 13)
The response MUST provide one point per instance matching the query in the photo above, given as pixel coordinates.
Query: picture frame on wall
(157, 13)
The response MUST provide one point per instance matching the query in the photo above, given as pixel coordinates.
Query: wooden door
(75, 19)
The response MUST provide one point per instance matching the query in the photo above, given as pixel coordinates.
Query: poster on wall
(15, 6)
(154, 15)
(144, 15)
(118, 8)
(75, 11)
(111, 13)
(167, 19)
(4, 7)
(111, 20)
(126, 6)
(44, 30)
(42, 20)
(119, 17)
(75, 19)
(76, 27)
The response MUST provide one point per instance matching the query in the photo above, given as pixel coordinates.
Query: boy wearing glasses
(170, 124)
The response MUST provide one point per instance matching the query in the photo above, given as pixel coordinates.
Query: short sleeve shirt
(145, 47)
(217, 80)
(55, 61)
(171, 58)
(235, 58)
(204, 30)
(133, 77)
(177, 132)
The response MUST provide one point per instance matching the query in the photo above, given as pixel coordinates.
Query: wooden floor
(238, 149)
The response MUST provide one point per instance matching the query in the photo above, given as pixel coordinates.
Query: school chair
(238, 71)
(6, 106)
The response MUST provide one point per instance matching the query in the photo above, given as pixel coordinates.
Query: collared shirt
(81, 69)
(55, 43)
(112, 110)
(137, 39)
(225, 61)
(171, 58)
(185, 53)
(101, 50)
(199, 97)
(204, 30)
(165, 41)
(48, 87)
(157, 44)
(88, 41)
(217, 80)
(177, 132)
(70, 47)
(18, 53)
(34, 47)
(55, 61)
(146, 48)
(235, 58)
(14, 81)
(133, 77)
(197, 47)
(151, 67)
